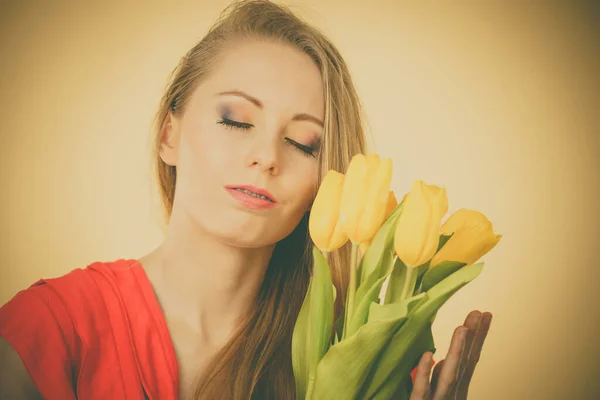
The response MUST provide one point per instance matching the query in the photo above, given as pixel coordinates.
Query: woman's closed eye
(308, 151)
(231, 124)
(304, 149)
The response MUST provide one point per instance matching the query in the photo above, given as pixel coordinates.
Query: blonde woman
(254, 115)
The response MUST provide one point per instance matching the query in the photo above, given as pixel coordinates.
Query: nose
(264, 154)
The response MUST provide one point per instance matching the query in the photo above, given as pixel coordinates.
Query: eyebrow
(259, 104)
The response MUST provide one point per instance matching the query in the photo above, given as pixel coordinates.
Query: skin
(212, 261)
(216, 251)
(452, 376)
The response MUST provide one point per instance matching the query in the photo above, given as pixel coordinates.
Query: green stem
(397, 272)
(408, 283)
(351, 288)
(310, 389)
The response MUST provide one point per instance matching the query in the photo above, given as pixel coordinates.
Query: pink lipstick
(252, 197)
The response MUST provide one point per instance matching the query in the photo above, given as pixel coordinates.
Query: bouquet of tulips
(405, 245)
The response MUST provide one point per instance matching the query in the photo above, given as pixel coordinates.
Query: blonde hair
(256, 362)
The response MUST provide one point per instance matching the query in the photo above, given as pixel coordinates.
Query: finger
(421, 390)
(474, 355)
(472, 323)
(436, 374)
(449, 373)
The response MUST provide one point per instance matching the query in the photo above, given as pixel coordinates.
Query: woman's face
(252, 128)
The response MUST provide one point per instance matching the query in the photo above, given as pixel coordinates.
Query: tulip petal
(353, 196)
(461, 218)
(439, 206)
(323, 224)
(417, 233)
(379, 254)
(373, 161)
(376, 203)
(338, 238)
(392, 203)
(469, 243)
(411, 227)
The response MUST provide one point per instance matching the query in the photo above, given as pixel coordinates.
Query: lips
(254, 192)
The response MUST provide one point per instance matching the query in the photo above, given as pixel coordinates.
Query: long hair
(256, 362)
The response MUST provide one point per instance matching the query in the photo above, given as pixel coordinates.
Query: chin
(246, 240)
(242, 229)
(239, 234)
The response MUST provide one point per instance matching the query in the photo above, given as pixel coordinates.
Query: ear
(169, 140)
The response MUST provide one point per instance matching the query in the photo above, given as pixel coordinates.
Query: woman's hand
(452, 375)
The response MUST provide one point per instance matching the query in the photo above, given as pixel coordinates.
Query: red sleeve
(38, 327)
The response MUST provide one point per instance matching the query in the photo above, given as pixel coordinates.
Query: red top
(94, 333)
(97, 332)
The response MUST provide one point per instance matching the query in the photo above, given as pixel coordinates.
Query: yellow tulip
(392, 203)
(365, 196)
(417, 232)
(473, 237)
(324, 225)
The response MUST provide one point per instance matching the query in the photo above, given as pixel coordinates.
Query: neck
(203, 282)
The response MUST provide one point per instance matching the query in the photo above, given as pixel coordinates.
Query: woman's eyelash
(306, 150)
(228, 123)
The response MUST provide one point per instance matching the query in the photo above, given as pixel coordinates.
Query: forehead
(283, 78)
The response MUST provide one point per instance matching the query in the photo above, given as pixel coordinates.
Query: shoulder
(47, 328)
(70, 301)
(74, 293)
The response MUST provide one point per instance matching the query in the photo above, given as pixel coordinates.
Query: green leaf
(321, 315)
(438, 273)
(369, 292)
(383, 312)
(338, 329)
(398, 277)
(361, 309)
(382, 271)
(343, 370)
(425, 267)
(402, 393)
(421, 270)
(335, 336)
(299, 345)
(398, 357)
(396, 283)
(443, 240)
(397, 388)
(372, 260)
(334, 292)
(374, 267)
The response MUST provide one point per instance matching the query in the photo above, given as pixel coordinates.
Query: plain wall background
(499, 103)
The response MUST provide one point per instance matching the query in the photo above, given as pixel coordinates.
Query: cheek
(304, 189)
(207, 149)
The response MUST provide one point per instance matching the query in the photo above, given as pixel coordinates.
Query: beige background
(497, 103)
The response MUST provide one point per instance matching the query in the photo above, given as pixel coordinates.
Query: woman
(253, 117)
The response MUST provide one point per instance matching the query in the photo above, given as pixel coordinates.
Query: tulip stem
(408, 283)
(351, 288)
